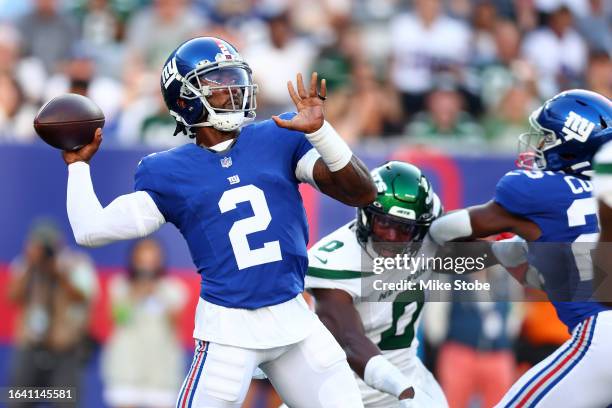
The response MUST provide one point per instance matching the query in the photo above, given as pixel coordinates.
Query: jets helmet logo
(577, 127)
(381, 186)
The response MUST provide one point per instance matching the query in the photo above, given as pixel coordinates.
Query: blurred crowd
(429, 71)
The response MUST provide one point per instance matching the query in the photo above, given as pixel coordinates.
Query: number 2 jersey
(565, 211)
(242, 216)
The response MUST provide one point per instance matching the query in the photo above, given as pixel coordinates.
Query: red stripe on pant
(192, 375)
(559, 366)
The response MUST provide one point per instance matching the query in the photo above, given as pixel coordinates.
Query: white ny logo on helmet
(169, 73)
(577, 127)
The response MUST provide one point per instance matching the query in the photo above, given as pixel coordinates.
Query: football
(68, 122)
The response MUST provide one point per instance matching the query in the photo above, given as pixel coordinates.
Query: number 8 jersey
(240, 212)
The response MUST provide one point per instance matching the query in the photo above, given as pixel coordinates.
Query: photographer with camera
(54, 288)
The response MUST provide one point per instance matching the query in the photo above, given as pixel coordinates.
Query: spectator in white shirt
(424, 43)
(558, 53)
(275, 61)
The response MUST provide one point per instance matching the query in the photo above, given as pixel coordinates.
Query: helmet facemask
(210, 83)
(533, 144)
(391, 235)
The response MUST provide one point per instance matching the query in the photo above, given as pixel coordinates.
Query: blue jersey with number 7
(563, 207)
(240, 212)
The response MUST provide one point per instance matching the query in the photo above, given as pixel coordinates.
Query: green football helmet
(405, 199)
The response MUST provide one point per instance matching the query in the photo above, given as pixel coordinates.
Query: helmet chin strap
(224, 122)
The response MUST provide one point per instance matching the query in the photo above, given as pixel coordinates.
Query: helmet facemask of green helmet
(398, 220)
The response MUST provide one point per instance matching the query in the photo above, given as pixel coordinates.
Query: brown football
(68, 122)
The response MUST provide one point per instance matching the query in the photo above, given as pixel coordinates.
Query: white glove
(512, 255)
(421, 400)
(510, 252)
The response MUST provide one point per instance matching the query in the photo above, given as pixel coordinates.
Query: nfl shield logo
(226, 162)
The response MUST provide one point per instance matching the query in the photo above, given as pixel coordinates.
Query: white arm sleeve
(304, 170)
(456, 224)
(129, 216)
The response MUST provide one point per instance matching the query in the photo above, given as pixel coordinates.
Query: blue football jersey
(562, 206)
(240, 212)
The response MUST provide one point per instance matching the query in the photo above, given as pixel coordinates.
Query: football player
(602, 189)
(378, 335)
(233, 194)
(550, 205)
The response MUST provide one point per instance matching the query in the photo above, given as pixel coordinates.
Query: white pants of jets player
(576, 375)
(312, 373)
(428, 392)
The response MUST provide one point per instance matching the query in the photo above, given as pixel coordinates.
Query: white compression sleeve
(382, 375)
(451, 226)
(129, 216)
(333, 150)
(304, 170)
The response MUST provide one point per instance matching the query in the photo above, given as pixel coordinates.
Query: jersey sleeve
(350, 286)
(335, 263)
(145, 180)
(302, 153)
(324, 273)
(518, 194)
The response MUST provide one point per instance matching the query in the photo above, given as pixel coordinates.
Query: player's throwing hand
(309, 106)
(86, 152)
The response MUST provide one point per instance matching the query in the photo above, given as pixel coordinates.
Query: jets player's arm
(337, 172)
(129, 216)
(336, 310)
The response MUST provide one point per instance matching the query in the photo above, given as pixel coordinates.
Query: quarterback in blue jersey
(233, 195)
(549, 205)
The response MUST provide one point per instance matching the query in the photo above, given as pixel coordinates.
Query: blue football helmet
(566, 132)
(199, 70)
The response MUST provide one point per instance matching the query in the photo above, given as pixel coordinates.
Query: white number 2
(245, 256)
(576, 216)
(580, 208)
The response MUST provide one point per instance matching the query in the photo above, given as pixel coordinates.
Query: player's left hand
(309, 106)
(419, 399)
